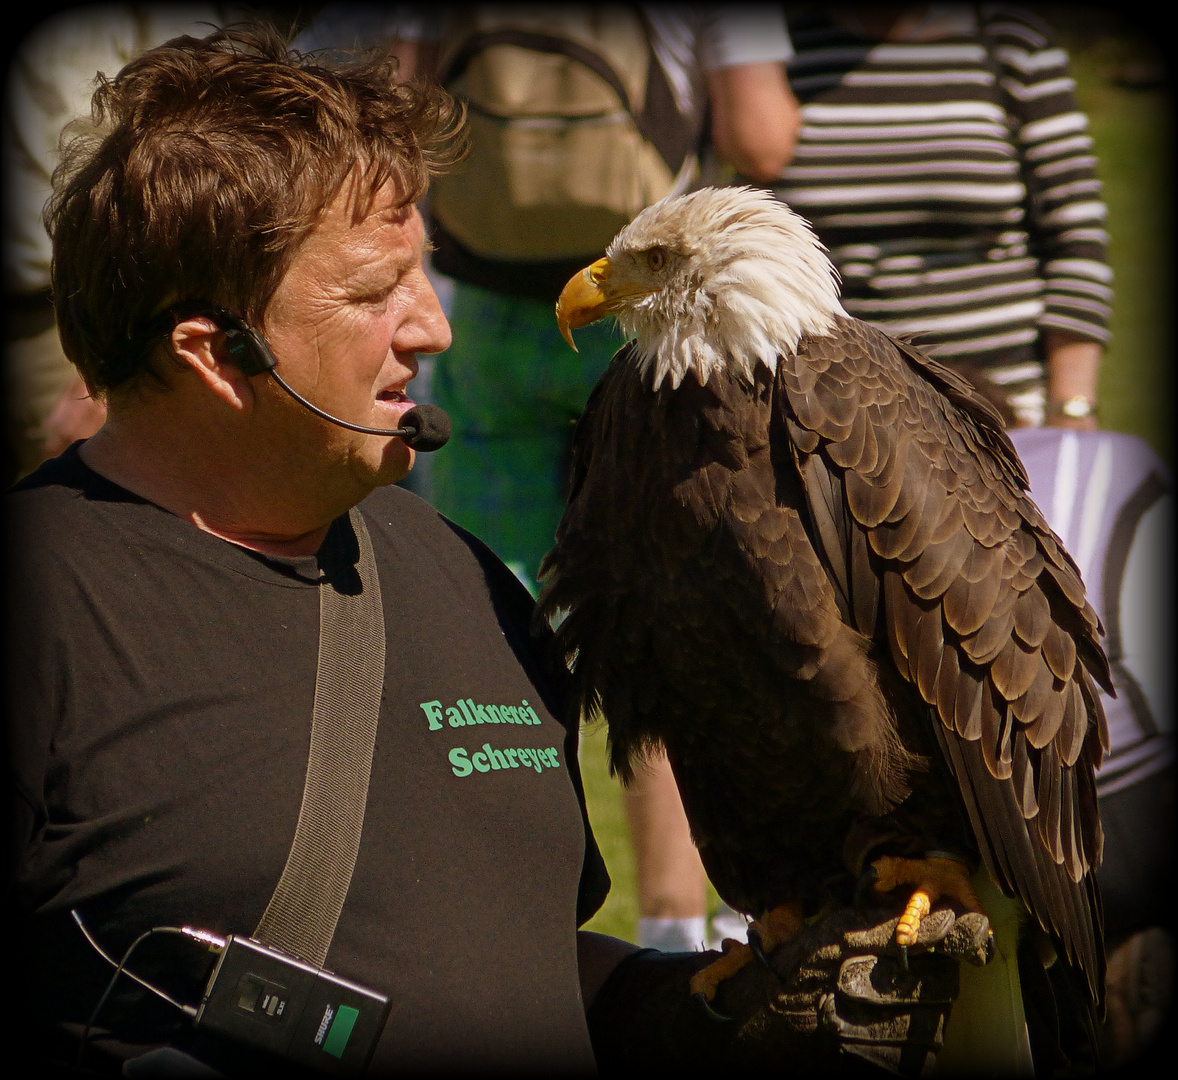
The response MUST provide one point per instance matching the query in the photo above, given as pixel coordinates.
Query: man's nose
(427, 329)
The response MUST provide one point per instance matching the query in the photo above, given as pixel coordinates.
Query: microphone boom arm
(402, 432)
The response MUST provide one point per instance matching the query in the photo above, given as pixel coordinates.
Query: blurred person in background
(49, 82)
(944, 162)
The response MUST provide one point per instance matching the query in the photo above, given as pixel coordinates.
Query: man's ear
(199, 343)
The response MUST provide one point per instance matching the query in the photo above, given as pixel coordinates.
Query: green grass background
(1131, 126)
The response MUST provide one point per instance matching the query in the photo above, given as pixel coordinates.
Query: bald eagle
(799, 555)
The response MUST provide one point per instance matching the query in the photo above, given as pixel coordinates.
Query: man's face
(345, 325)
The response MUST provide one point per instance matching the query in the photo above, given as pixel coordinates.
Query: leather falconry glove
(839, 997)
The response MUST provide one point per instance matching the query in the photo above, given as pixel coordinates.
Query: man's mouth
(392, 395)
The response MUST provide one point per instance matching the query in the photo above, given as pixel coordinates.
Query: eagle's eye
(656, 258)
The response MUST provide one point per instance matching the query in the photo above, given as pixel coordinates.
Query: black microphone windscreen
(432, 424)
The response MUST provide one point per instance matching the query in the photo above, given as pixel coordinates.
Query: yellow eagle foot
(933, 878)
(704, 982)
(774, 928)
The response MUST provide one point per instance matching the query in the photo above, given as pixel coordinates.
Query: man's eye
(375, 299)
(656, 258)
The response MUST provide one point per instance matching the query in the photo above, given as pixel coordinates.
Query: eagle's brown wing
(920, 514)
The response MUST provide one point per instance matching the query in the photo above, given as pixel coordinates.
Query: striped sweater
(954, 184)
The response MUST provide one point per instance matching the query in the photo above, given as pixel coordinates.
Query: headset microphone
(425, 427)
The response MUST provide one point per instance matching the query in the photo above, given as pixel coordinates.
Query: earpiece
(246, 346)
(249, 351)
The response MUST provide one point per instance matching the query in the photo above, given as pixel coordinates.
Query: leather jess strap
(301, 916)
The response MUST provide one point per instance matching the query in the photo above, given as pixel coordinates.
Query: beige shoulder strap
(302, 914)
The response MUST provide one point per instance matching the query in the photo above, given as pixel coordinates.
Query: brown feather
(1026, 575)
(1031, 704)
(1014, 669)
(871, 499)
(1042, 729)
(803, 438)
(948, 678)
(824, 491)
(914, 482)
(952, 523)
(938, 565)
(967, 707)
(1074, 859)
(895, 601)
(995, 737)
(1073, 728)
(993, 636)
(1023, 777)
(1050, 793)
(848, 452)
(930, 646)
(931, 511)
(1092, 703)
(1032, 617)
(969, 603)
(983, 524)
(1068, 579)
(1059, 650)
(865, 584)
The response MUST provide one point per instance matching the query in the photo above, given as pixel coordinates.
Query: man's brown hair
(214, 159)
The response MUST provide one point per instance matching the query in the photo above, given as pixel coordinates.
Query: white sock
(673, 935)
(727, 923)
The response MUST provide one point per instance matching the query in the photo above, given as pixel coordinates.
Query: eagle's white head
(720, 278)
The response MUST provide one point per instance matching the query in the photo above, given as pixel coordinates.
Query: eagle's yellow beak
(584, 299)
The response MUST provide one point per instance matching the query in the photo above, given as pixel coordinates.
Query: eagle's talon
(866, 884)
(758, 946)
(711, 1013)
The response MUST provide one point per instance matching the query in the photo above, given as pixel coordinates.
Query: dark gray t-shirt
(160, 689)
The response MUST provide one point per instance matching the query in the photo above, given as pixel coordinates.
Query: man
(169, 577)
